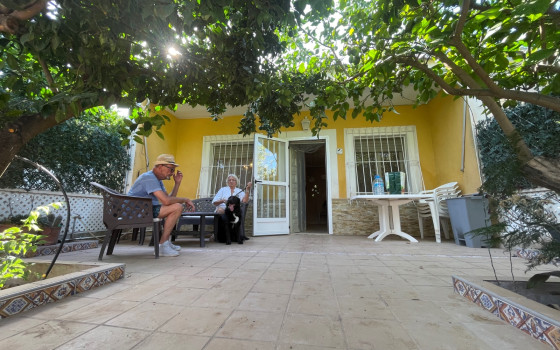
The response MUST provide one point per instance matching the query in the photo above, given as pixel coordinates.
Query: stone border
(16, 300)
(535, 319)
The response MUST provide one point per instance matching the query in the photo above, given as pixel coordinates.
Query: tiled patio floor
(282, 292)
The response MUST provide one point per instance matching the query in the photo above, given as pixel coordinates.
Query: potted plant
(50, 225)
(45, 224)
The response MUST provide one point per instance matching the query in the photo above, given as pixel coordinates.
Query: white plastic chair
(436, 208)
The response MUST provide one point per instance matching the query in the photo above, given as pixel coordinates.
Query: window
(224, 155)
(376, 151)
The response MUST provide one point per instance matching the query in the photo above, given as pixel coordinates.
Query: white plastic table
(383, 202)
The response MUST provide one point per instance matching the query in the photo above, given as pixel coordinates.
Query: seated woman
(221, 198)
(231, 190)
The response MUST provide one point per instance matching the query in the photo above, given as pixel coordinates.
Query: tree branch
(322, 44)
(462, 18)
(474, 89)
(465, 53)
(29, 11)
(9, 21)
(48, 74)
(522, 150)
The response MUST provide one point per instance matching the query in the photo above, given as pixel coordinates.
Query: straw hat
(166, 159)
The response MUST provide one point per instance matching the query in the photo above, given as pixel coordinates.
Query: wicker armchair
(124, 212)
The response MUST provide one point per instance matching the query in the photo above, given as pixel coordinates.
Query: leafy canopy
(367, 52)
(80, 54)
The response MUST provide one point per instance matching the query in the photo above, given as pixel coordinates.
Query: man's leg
(171, 213)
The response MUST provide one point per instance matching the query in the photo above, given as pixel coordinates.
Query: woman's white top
(225, 192)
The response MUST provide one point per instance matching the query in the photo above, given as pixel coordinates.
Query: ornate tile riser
(539, 326)
(68, 247)
(16, 300)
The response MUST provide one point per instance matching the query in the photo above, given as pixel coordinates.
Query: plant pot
(5, 227)
(51, 235)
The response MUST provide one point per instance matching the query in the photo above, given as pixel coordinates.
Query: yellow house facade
(432, 144)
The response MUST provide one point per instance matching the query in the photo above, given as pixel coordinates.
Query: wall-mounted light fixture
(305, 124)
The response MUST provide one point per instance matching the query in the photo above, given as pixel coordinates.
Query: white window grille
(223, 155)
(375, 151)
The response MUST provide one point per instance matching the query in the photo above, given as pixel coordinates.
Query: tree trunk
(16, 134)
(543, 172)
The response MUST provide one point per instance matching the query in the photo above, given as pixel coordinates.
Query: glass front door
(270, 197)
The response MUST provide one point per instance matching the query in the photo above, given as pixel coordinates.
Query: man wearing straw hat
(165, 205)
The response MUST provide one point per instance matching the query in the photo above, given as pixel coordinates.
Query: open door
(270, 196)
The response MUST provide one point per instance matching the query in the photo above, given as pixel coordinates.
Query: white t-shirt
(225, 193)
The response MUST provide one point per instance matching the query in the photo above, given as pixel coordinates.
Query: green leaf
(532, 7)
(537, 279)
(164, 11)
(501, 61)
(491, 13)
(26, 37)
(60, 113)
(12, 61)
(540, 55)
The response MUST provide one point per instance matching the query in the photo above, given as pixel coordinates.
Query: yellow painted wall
(406, 115)
(190, 133)
(438, 128)
(446, 116)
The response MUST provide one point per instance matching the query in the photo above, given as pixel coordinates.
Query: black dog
(232, 220)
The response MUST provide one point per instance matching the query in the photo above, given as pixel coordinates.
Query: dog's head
(233, 202)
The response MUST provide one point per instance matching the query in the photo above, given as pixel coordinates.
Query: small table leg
(201, 228)
(383, 211)
(397, 225)
(388, 226)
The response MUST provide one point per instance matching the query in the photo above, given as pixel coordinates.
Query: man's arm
(177, 177)
(166, 199)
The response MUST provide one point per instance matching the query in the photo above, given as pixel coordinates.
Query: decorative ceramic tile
(472, 294)
(533, 327)
(511, 314)
(34, 296)
(525, 320)
(68, 247)
(552, 336)
(487, 302)
(460, 287)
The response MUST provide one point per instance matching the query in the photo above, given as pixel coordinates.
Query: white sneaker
(166, 250)
(175, 247)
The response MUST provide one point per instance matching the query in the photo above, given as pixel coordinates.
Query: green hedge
(77, 152)
(539, 127)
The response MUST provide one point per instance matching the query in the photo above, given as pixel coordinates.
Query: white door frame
(331, 165)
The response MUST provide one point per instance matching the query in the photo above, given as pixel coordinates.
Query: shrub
(78, 151)
(524, 220)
